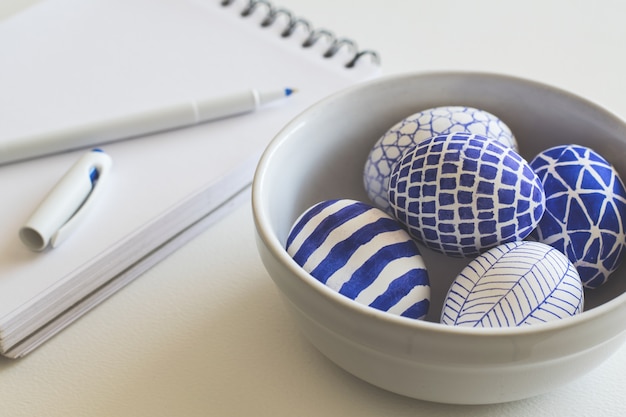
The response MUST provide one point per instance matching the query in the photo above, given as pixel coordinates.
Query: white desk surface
(204, 332)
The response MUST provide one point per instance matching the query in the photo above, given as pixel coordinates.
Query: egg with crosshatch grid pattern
(421, 126)
(461, 194)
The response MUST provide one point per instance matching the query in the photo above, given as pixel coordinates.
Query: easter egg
(361, 252)
(518, 283)
(585, 210)
(421, 126)
(461, 194)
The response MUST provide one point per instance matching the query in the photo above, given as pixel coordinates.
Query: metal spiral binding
(336, 44)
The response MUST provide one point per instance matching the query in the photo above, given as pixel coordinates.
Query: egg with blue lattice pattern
(421, 126)
(585, 210)
(461, 194)
(362, 253)
(515, 284)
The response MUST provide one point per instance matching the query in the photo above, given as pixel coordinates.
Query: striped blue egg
(515, 284)
(461, 194)
(585, 210)
(361, 252)
(418, 127)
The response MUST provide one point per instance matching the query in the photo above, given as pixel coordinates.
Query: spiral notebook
(75, 61)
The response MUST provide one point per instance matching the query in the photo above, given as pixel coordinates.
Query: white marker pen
(175, 115)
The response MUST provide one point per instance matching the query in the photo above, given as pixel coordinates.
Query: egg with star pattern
(585, 210)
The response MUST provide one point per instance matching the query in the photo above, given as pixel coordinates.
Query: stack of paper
(67, 62)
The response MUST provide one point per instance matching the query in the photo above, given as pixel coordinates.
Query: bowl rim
(272, 242)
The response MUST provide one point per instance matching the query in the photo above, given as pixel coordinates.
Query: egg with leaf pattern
(515, 284)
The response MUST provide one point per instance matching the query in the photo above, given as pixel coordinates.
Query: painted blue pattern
(421, 126)
(585, 210)
(515, 284)
(461, 194)
(362, 253)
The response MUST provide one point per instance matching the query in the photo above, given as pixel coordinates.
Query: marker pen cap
(65, 201)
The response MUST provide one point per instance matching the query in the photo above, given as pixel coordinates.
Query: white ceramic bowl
(320, 155)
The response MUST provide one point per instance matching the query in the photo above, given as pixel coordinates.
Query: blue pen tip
(289, 91)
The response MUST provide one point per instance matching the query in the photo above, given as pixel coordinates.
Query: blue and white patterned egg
(461, 194)
(585, 210)
(515, 284)
(362, 253)
(421, 126)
